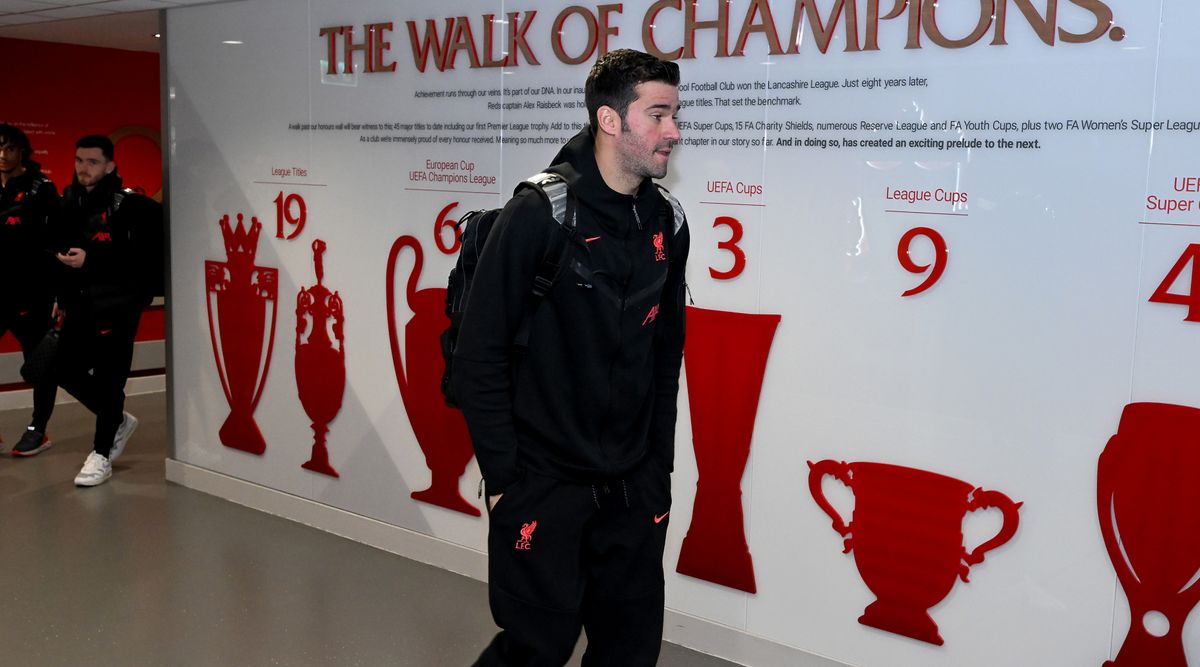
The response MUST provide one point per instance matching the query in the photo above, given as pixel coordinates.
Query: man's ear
(608, 120)
(111, 165)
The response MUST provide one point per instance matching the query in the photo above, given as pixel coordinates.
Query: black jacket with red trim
(596, 391)
(28, 213)
(103, 223)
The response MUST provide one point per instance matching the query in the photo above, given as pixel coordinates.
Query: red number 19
(283, 213)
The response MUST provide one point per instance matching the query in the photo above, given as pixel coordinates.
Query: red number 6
(440, 225)
(939, 260)
(739, 256)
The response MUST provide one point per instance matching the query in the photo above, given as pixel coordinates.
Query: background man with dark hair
(28, 205)
(575, 435)
(109, 241)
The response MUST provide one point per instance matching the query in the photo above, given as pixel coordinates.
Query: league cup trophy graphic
(320, 367)
(907, 538)
(1149, 507)
(239, 296)
(726, 358)
(441, 431)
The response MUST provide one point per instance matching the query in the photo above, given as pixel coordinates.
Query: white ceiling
(118, 24)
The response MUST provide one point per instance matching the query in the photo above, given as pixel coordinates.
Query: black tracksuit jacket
(595, 393)
(27, 217)
(113, 282)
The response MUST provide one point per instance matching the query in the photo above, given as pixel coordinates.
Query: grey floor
(141, 572)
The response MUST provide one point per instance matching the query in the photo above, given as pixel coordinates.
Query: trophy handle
(271, 276)
(410, 294)
(304, 303)
(211, 271)
(983, 499)
(841, 471)
(1104, 509)
(339, 321)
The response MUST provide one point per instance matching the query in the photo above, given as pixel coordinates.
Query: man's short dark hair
(15, 136)
(97, 141)
(615, 75)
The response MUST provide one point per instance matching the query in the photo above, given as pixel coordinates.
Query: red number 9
(939, 260)
(739, 257)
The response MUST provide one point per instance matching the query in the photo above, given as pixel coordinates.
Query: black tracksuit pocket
(534, 538)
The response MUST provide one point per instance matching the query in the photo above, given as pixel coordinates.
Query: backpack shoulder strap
(117, 198)
(555, 189)
(676, 207)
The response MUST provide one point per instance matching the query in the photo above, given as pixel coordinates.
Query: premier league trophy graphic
(907, 538)
(1149, 506)
(239, 296)
(320, 366)
(441, 431)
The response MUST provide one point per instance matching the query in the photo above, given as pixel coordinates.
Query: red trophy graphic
(320, 367)
(726, 357)
(907, 538)
(243, 295)
(441, 431)
(1149, 507)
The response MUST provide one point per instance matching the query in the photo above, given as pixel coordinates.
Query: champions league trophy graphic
(441, 431)
(320, 367)
(1149, 507)
(726, 358)
(907, 538)
(243, 294)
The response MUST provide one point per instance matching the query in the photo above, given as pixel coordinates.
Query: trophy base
(322, 467)
(907, 621)
(450, 499)
(241, 432)
(1141, 648)
(721, 560)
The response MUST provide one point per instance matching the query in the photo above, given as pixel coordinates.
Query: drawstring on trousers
(624, 492)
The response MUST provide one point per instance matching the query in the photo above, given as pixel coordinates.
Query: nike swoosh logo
(658, 519)
(105, 331)
(590, 239)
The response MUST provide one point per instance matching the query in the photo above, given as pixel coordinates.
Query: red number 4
(1192, 298)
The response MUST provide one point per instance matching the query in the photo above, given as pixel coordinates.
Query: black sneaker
(31, 443)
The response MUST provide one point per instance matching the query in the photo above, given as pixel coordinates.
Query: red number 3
(1192, 299)
(739, 256)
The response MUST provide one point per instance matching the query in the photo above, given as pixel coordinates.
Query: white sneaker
(129, 424)
(96, 470)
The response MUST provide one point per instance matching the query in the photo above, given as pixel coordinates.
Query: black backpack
(147, 241)
(473, 229)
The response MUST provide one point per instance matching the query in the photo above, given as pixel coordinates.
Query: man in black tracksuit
(28, 209)
(575, 435)
(110, 241)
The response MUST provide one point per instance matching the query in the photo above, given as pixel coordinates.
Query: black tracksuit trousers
(95, 355)
(28, 325)
(565, 556)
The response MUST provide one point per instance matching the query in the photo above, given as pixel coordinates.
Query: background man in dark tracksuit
(108, 250)
(575, 437)
(28, 209)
